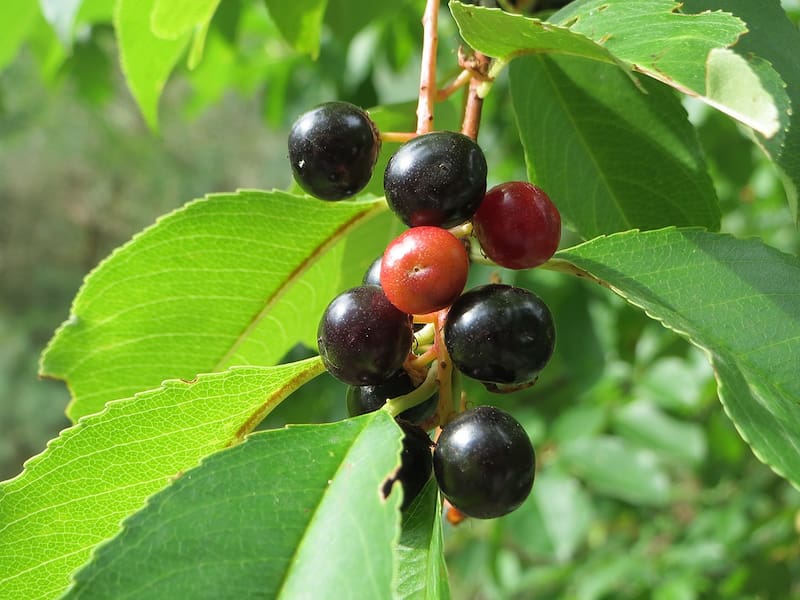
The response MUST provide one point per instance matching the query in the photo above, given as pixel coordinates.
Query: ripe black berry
(484, 462)
(362, 399)
(415, 464)
(332, 150)
(436, 179)
(500, 335)
(373, 274)
(363, 339)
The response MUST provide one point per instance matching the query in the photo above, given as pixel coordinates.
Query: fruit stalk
(447, 408)
(427, 77)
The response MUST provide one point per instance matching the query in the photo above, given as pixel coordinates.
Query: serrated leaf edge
(378, 206)
(710, 354)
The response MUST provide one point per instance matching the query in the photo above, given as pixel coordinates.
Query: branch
(427, 77)
(479, 66)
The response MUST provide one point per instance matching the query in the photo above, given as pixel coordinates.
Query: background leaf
(300, 22)
(739, 300)
(146, 60)
(274, 511)
(230, 280)
(617, 468)
(61, 15)
(74, 495)
(18, 18)
(555, 519)
(348, 17)
(171, 19)
(611, 157)
(643, 423)
(420, 571)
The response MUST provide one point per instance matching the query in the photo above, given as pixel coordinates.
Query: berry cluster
(401, 338)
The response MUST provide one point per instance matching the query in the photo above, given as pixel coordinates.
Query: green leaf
(347, 17)
(171, 19)
(95, 11)
(681, 50)
(146, 59)
(18, 18)
(232, 279)
(300, 22)
(74, 495)
(739, 300)
(61, 16)
(773, 37)
(643, 423)
(420, 571)
(609, 156)
(505, 36)
(616, 468)
(275, 517)
(649, 36)
(555, 519)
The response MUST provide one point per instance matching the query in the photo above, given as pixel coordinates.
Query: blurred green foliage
(645, 489)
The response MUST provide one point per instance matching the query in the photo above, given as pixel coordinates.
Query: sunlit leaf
(274, 511)
(650, 36)
(61, 16)
(146, 59)
(300, 22)
(18, 17)
(233, 279)
(74, 495)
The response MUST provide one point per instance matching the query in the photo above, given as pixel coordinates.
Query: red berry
(424, 270)
(517, 225)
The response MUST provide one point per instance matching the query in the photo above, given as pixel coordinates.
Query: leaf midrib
(287, 284)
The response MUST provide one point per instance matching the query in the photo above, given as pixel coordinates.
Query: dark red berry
(436, 179)
(424, 270)
(484, 463)
(363, 339)
(500, 335)
(517, 225)
(333, 149)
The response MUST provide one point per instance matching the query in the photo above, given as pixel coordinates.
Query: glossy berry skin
(424, 269)
(333, 149)
(500, 335)
(363, 339)
(415, 464)
(373, 274)
(517, 225)
(436, 179)
(368, 398)
(484, 463)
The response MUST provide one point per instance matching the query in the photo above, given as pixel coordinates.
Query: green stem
(394, 406)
